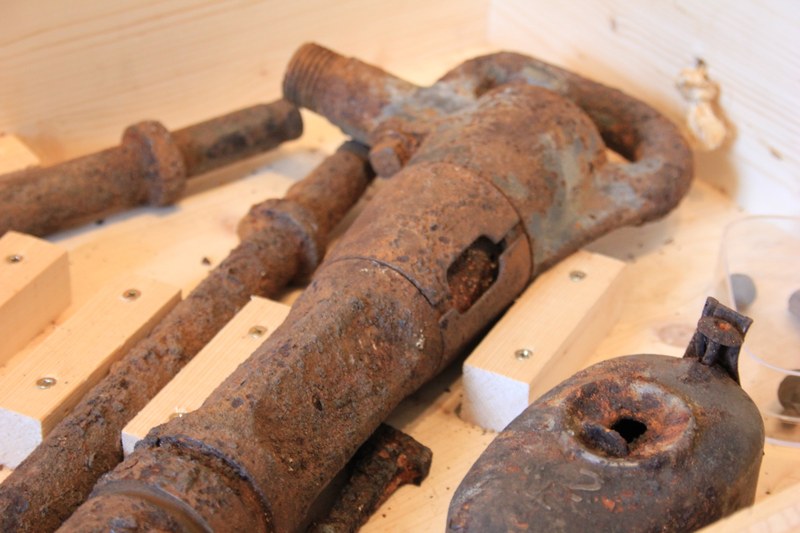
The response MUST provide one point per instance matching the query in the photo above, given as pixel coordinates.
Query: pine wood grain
(36, 393)
(34, 289)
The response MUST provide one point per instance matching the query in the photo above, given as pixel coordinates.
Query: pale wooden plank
(545, 337)
(72, 77)
(227, 350)
(14, 154)
(641, 48)
(43, 387)
(777, 514)
(34, 289)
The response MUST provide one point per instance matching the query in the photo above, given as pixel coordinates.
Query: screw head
(178, 413)
(577, 275)
(45, 383)
(14, 258)
(131, 294)
(523, 353)
(257, 331)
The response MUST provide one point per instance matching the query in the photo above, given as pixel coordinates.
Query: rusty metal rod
(282, 239)
(151, 165)
(497, 186)
(388, 460)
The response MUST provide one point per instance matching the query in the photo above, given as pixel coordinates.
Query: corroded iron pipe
(282, 240)
(495, 190)
(151, 165)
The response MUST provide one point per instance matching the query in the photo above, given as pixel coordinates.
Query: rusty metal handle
(151, 165)
(659, 169)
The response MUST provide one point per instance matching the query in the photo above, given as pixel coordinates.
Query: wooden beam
(38, 391)
(14, 154)
(777, 514)
(34, 289)
(543, 338)
(227, 350)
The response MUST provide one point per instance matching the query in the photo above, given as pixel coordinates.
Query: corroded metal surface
(637, 443)
(575, 185)
(388, 460)
(493, 183)
(275, 249)
(151, 165)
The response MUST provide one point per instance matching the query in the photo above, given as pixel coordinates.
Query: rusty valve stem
(719, 337)
(151, 165)
(504, 179)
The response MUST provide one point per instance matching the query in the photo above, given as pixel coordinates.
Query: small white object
(707, 127)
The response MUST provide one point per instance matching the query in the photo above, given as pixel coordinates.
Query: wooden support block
(34, 289)
(216, 361)
(36, 393)
(777, 514)
(543, 338)
(14, 155)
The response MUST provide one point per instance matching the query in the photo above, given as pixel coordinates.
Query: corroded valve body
(637, 443)
(500, 183)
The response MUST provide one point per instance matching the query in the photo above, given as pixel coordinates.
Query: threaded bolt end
(308, 68)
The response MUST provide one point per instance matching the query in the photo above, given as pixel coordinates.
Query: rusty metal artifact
(637, 443)
(388, 460)
(151, 165)
(497, 178)
(282, 240)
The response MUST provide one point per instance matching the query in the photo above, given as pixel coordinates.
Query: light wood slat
(14, 154)
(777, 514)
(543, 338)
(34, 289)
(76, 355)
(227, 350)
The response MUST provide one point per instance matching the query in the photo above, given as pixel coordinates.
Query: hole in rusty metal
(317, 403)
(473, 272)
(629, 429)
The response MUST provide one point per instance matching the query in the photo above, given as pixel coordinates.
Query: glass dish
(759, 276)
